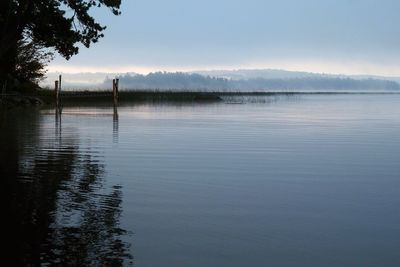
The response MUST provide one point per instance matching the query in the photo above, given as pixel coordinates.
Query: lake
(304, 180)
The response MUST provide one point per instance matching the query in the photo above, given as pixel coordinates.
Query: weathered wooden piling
(59, 82)
(115, 90)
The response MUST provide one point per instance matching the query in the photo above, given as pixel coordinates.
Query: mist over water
(285, 181)
(243, 80)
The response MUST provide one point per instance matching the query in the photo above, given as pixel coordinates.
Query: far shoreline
(46, 97)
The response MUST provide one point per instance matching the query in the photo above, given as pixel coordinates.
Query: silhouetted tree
(30, 62)
(58, 24)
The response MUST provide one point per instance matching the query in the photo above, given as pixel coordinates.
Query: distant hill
(224, 80)
(194, 81)
(244, 74)
(172, 81)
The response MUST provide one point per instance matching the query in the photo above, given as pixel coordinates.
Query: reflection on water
(281, 181)
(56, 208)
(259, 99)
(115, 124)
(58, 125)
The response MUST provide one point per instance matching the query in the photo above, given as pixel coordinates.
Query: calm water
(298, 181)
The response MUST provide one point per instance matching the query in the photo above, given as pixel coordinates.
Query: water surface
(309, 180)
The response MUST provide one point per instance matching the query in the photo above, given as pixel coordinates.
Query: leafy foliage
(61, 25)
(30, 62)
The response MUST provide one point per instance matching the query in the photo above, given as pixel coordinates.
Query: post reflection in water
(58, 129)
(57, 210)
(115, 124)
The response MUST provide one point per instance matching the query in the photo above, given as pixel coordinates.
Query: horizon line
(195, 70)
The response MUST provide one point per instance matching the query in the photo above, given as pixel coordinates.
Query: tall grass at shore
(131, 96)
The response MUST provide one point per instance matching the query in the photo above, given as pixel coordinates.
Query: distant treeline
(187, 81)
(172, 81)
(317, 84)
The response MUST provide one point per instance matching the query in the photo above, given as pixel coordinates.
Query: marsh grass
(102, 96)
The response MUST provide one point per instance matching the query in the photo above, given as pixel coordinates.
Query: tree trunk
(8, 65)
(13, 19)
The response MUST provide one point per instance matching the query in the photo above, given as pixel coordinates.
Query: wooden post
(59, 83)
(115, 91)
(57, 93)
(113, 88)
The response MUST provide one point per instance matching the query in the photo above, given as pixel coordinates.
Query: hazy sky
(334, 36)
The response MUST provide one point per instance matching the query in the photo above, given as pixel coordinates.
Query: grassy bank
(130, 96)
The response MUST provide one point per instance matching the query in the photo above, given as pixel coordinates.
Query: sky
(323, 36)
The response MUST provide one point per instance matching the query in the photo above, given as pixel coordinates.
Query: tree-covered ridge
(170, 80)
(193, 81)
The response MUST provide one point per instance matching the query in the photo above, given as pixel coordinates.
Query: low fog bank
(237, 80)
